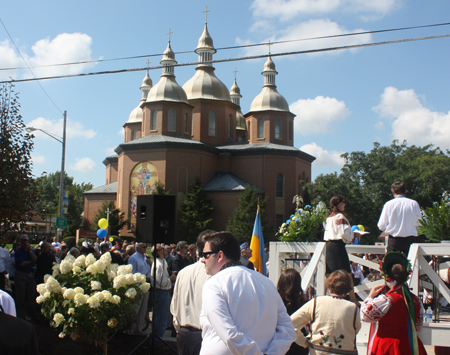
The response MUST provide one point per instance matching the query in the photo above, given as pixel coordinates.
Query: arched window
(212, 127)
(280, 185)
(133, 134)
(171, 121)
(277, 129)
(154, 121)
(186, 123)
(229, 127)
(291, 133)
(261, 129)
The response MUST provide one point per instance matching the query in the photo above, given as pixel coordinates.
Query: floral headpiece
(392, 258)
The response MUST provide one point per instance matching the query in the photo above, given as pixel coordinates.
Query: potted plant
(435, 221)
(304, 224)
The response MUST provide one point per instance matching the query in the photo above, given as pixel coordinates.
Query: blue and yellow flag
(257, 246)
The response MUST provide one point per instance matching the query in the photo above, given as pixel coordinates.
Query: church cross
(235, 71)
(269, 44)
(169, 33)
(206, 13)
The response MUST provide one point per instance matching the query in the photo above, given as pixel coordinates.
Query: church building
(178, 133)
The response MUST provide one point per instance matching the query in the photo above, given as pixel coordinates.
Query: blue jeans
(161, 310)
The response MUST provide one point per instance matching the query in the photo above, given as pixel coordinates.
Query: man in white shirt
(55, 243)
(399, 219)
(242, 312)
(187, 302)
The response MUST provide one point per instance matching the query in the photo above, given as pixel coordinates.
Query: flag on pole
(257, 246)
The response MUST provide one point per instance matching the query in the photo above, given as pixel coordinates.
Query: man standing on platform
(187, 302)
(242, 312)
(399, 219)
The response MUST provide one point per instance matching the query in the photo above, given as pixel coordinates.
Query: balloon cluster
(102, 224)
(358, 227)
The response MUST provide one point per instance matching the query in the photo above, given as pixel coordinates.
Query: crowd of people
(219, 304)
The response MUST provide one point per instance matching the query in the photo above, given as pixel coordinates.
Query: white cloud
(38, 159)
(109, 151)
(85, 165)
(412, 121)
(64, 48)
(379, 125)
(318, 115)
(8, 59)
(323, 156)
(121, 132)
(304, 30)
(55, 127)
(288, 9)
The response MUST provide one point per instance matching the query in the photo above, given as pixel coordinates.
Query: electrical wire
(235, 47)
(45, 92)
(234, 59)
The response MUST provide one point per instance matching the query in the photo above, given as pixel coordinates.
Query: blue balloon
(102, 233)
(356, 241)
(355, 228)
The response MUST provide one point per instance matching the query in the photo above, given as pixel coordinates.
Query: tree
(76, 208)
(160, 189)
(366, 178)
(48, 201)
(116, 218)
(17, 191)
(242, 222)
(196, 212)
(48, 191)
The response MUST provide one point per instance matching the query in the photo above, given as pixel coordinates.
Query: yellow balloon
(111, 239)
(103, 223)
(361, 227)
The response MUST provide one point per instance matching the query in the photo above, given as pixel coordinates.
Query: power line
(236, 47)
(309, 51)
(45, 92)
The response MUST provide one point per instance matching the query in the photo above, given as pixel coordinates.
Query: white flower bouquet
(90, 299)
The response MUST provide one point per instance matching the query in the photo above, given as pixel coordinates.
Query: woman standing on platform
(399, 313)
(338, 233)
(290, 289)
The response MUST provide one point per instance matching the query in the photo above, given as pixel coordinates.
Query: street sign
(61, 222)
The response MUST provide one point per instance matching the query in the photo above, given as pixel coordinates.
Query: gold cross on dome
(169, 33)
(235, 71)
(269, 44)
(206, 13)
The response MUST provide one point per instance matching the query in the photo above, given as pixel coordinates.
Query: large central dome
(204, 84)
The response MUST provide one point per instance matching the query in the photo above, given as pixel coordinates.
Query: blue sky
(344, 100)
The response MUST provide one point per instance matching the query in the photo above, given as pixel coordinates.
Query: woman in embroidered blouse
(398, 313)
(338, 232)
(334, 321)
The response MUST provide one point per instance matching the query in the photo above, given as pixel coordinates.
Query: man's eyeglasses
(208, 254)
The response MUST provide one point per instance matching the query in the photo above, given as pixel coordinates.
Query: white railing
(313, 275)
